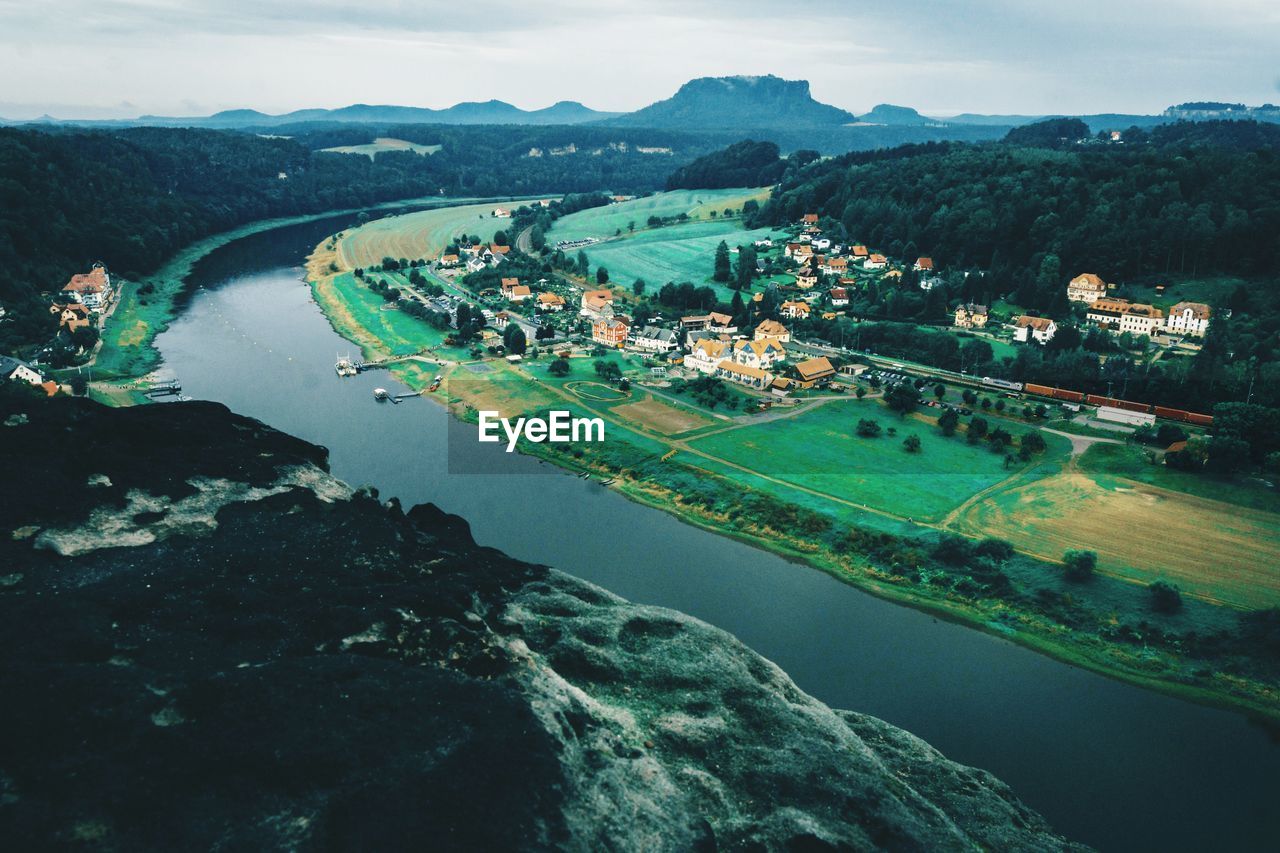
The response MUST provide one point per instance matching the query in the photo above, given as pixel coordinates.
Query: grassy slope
(383, 143)
(601, 222)
(1132, 463)
(676, 253)
(423, 234)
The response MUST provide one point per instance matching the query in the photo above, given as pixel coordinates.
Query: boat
(435, 383)
(345, 366)
(381, 394)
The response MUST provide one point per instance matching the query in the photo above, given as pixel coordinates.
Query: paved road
(524, 243)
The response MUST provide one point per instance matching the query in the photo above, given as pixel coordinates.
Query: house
(501, 319)
(1121, 315)
(875, 262)
(1188, 318)
(970, 316)
(752, 377)
(550, 302)
(781, 386)
(806, 278)
(821, 244)
(19, 371)
(1087, 288)
(720, 324)
(762, 354)
(71, 316)
(513, 290)
(594, 303)
(929, 282)
(450, 260)
(764, 243)
(655, 339)
(795, 310)
(772, 330)
(839, 297)
(835, 266)
(1027, 328)
(91, 289)
(815, 371)
(798, 251)
(706, 355)
(859, 253)
(476, 263)
(610, 332)
(499, 250)
(809, 219)
(501, 213)
(923, 264)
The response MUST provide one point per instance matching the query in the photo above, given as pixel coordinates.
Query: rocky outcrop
(210, 642)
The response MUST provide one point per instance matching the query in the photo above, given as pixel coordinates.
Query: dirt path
(1081, 443)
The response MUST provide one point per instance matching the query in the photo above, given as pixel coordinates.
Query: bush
(1165, 597)
(911, 444)
(868, 428)
(1078, 566)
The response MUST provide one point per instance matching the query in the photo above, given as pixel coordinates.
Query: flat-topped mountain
(738, 102)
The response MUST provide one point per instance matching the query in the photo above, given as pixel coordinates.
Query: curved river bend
(1108, 764)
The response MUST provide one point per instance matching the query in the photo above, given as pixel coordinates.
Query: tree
(868, 428)
(746, 269)
(911, 443)
(500, 238)
(513, 338)
(583, 265)
(948, 421)
(860, 391)
(722, 267)
(1165, 597)
(1078, 566)
(1033, 442)
(79, 384)
(939, 390)
(903, 398)
(638, 286)
(602, 275)
(607, 370)
(559, 367)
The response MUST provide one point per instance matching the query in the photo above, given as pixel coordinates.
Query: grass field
(601, 222)
(1131, 463)
(383, 143)
(676, 253)
(423, 234)
(818, 450)
(357, 313)
(1221, 552)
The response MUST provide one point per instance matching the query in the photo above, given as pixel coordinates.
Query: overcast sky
(121, 58)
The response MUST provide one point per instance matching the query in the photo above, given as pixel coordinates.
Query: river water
(1108, 764)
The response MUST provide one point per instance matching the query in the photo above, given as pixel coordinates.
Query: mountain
(216, 644)
(737, 102)
(469, 112)
(888, 114)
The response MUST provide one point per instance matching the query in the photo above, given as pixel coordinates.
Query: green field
(676, 253)
(381, 144)
(358, 309)
(1132, 463)
(601, 222)
(819, 451)
(423, 234)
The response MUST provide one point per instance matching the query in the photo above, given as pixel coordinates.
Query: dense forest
(744, 164)
(1187, 198)
(132, 197)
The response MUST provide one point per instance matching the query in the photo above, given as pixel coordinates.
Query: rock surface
(210, 642)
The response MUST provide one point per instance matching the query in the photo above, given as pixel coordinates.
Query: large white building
(1188, 318)
(706, 355)
(1087, 288)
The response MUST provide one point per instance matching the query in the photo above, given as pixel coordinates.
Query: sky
(123, 58)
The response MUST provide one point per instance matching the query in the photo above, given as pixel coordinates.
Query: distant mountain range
(765, 105)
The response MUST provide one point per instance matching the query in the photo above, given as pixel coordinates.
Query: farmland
(423, 234)
(381, 144)
(602, 222)
(1221, 552)
(675, 253)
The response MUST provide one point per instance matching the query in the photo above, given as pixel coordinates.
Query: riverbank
(1140, 663)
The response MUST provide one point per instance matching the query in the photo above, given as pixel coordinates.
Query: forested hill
(1186, 197)
(743, 164)
(132, 197)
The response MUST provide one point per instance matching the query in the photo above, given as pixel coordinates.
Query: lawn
(676, 253)
(358, 315)
(423, 234)
(383, 143)
(601, 222)
(818, 450)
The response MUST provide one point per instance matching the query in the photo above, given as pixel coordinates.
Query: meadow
(676, 253)
(381, 144)
(819, 451)
(423, 234)
(602, 222)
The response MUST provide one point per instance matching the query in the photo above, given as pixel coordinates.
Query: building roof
(1039, 324)
(758, 347)
(1198, 310)
(510, 282)
(657, 333)
(550, 299)
(1090, 280)
(839, 293)
(860, 251)
(971, 308)
(810, 217)
(742, 369)
(519, 290)
(815, 368)
(88, 282)
(710, 347)
(924, 263)
(771, 327)
(879, 259)
(793, 305)
(718, 319)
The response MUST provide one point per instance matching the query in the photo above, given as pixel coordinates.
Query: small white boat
(381, 394)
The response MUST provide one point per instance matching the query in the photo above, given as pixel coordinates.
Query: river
(1108, 764)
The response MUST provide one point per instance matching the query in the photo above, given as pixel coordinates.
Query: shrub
(1078, 566)
(1165, 597)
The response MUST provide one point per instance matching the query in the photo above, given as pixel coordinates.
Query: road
(524, 243)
